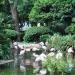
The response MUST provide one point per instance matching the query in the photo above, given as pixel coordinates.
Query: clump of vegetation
(44, 37)
(11, 33)
(4, 45)
(33, 33)
(58, 41)
(57, 63)
(70, 29)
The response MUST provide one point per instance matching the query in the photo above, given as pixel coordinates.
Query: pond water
(26, 67)
(10, 70)
(29, 71)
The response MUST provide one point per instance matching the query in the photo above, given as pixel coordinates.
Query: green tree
(4, 40)
(16, 12)
(12, 13)
(55, 13)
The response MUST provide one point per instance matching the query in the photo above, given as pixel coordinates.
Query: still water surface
(9, 70)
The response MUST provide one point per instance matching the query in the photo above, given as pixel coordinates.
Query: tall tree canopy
(56, 13)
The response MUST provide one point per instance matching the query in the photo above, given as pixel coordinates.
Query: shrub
(33, 33)
(67, 40)
(11, 33)
(58, 41)
(44, 37)
(73, 36)
(54, 64)
(4, 46)
(55, 41)
(70, 29)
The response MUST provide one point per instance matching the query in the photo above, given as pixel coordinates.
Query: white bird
(16, 47)
(41, 57)
(51, 54)
(15, 43)
(21, 46)
(22, 52)
(41, 43)
(35, 55)
(59, 55)
(44, 47)
(34, 49)
(38, 25)
(37, 59)
(46, 43)
(52, 49)
(70, 50)
(28, 49)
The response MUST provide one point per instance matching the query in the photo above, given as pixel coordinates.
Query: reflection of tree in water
(29, 70)
(28, 55)
(28, 63)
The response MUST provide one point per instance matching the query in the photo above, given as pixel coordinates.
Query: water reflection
(11, 71)
(23, 70)
(25, 67)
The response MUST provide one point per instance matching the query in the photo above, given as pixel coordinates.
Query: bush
(58, 41)
(4, 46)
(67, 40)
(55, 64)
(44, 37)
(11, 33)
(70, 29)
(33, 33)
(73, 36)
(55, 41)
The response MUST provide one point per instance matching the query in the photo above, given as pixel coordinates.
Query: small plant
(70, 29)
(44, 37)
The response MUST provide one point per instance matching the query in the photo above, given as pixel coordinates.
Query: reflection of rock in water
(29, 70)
(28, 62)
(22, 68)
(35, 67)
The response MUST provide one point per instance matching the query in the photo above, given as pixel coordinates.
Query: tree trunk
(15, 19)
(14, 13)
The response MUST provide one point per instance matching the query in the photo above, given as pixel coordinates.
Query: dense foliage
(12, 15)
(11, 33)
(34, 33)
(4, 43)
(44, 37)
(56, 13)
(70, 29)
(61, 42)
